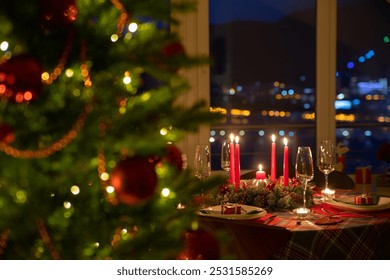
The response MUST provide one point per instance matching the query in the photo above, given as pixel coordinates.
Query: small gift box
(363, 175)
(230, 209)
(383, 180)
(366, 199)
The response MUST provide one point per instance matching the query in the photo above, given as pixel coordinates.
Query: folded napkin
(269, 219)
(326, 209)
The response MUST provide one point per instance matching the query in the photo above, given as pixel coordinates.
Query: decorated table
(331, 232)
(285, 218)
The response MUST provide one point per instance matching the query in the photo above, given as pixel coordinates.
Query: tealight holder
(328, 194)
(261, 183)
(302, 213)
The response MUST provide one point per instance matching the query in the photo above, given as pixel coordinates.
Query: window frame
(194, 30)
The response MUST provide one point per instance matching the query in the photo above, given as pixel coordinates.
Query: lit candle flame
(236, 139)
(231, 137)
(260, 167)
(285, 141)
(273, 138)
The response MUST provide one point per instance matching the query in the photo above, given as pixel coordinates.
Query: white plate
(347, 203)
(247, 212)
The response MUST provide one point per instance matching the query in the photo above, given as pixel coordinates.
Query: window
(363, 74)
(264, 77)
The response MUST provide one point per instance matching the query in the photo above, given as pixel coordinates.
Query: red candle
(232, 155)
(237, 164)
(273, 159)
(285, 163)
(260, 175)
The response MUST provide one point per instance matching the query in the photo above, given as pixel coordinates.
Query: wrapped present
(366, 199)
(363, 175)
(383, 180)
(230, 209)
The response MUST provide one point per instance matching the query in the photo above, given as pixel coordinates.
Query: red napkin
(326, 209)
(269, 219)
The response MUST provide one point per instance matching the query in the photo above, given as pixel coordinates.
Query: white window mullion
(194, 32)
(326, 70)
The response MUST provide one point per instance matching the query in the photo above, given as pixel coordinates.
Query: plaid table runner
(351, 238)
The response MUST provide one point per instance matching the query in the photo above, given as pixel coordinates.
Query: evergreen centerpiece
(265, 194)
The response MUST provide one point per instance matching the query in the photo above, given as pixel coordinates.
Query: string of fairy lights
(48, 78)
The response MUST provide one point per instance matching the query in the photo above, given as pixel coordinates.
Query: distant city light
(356, 102)
(261, 133)
(362, 59)
(370, 54)
(281, 132)
(306, 106)
(343, 104)
(368, 133)
(291, 134)
(386, 39)
(241, 133)
(350, 65)
(345, 133)
(308, 90)
(231, 91)
(340, 95)
(213, 132)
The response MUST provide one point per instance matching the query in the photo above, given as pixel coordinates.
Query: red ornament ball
(174, 157)
(172, 54)
(134, 180)
(7, 133)
(173, 49)
(59, 13)
(20, 78)
(200, 245)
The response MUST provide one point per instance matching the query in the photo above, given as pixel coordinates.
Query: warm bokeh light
(133, 27)
(67, 204)
(75, 190)
(165, 192)
(114, 38)
(4, 46)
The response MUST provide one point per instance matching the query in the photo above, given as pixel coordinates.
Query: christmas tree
(89, 123)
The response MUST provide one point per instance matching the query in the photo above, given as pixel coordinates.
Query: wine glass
(202, 165)
(225, 156)
(326, 164)
(304, 171)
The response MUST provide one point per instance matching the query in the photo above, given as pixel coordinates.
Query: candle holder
(260, 183)
(328, 194)
(302, 213)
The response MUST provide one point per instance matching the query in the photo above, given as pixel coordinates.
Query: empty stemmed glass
(304, 171)
(225, 156)
(326, 164)
(202, 164)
